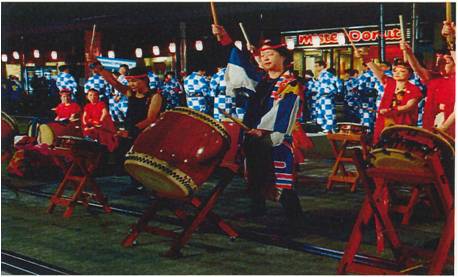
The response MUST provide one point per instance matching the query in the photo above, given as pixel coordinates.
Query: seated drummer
(267, 146)
(67, 110)
(144, 106)
(97, 123)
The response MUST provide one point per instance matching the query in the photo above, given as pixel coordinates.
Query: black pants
(261, 177)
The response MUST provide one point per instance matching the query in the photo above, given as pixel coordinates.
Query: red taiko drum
(178, 152)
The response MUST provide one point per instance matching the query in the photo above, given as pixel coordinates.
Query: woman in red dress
(399, 105)
(97, 123)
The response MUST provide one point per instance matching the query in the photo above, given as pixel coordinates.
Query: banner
(112, 64)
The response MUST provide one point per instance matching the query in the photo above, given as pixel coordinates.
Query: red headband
(129, 77)
(271, 47)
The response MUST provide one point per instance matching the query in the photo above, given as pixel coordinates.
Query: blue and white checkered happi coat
(171, 91)
(217, 83)
(226, 103)
(97, 82)
(118, 110)
(66, 80)
(326, 89)
(196, 85)
(351, 96)
(197, 89)
(368, 84)
(154, 81)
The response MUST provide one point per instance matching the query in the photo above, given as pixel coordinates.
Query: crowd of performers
(382, 95)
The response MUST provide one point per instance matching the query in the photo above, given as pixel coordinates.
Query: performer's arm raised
(108, 76)
(372, 66)
(422, 72)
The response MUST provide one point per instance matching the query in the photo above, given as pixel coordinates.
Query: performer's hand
(219, 31)
(255, 133)
(96, 66)
(448, 29)
(405, 47)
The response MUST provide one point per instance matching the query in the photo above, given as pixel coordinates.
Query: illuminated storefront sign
(368, 35)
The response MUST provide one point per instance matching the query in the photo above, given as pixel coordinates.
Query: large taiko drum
(47, 133)
(178, 152)
(9, 130)
(408, 148)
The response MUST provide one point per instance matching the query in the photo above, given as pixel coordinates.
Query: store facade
(333, 46)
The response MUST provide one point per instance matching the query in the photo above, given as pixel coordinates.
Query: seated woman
(67, 110)
(399, 103)
(97, 123)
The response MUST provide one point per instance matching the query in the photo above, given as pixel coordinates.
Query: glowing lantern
(4, 58)
(199, 45)
(16, 55)
(36, 53)
(156, 50)
(172, 47)
(54, 55)
(138, 53)
(111, 54)
(290, 43)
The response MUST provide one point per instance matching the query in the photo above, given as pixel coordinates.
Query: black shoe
(133, 191)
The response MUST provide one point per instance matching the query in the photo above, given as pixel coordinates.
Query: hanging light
(4, 58)
(316, 41)
(199, 45)
(172, 47)
(111, 54)
(54, 55)
(36, 53)
(138, 53)
(341, 39)
(156, 50)
(16, 55)
(290, 43)
(238, 44)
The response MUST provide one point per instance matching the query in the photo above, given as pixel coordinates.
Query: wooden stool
(85, 157)
(181, 238)
(376, 182)
(349, 135)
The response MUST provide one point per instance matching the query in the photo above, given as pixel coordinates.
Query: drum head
(159, 176)
(395, 159)
(45, 134)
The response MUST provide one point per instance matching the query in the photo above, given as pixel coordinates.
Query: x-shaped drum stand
(376, 182)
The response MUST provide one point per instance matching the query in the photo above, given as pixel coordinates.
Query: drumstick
(92, 40)
(350, 40)
(403, 38)
(215, 18)
(237, 121)
(448, 11)
(244, 33)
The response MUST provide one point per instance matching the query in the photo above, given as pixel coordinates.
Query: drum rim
(10, 121)
(390, 129)
(162, 168)
(204, 118)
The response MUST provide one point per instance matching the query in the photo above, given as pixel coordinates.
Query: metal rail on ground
(17, 264)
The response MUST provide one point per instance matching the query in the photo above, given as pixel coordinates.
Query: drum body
(408, 148)
(230, 159)
(178, 152)
(47, 133)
